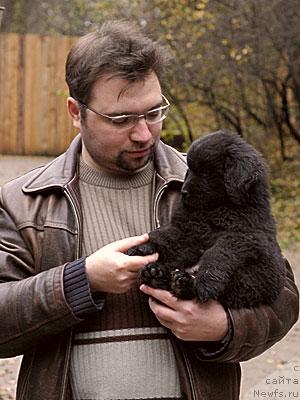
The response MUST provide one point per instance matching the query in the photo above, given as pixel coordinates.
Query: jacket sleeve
(33, 305)
(257, 329)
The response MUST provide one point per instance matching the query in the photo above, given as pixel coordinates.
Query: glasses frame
(135, 117)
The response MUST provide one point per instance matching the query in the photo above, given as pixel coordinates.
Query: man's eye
(121, 120)
(153, 114)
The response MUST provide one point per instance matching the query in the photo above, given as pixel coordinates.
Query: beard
(128, 164)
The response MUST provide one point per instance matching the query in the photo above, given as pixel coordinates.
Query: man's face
(112, 149)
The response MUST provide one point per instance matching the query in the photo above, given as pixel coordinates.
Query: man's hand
(188, 319)
(110, 270)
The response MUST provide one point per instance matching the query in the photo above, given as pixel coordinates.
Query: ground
(269, 375)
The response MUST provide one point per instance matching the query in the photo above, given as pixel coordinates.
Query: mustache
(141, 147)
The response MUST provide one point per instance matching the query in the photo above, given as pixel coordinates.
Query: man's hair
(116, 49)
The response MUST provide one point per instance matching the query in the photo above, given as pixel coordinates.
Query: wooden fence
(33, 115)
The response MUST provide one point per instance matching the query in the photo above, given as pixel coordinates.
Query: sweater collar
(139, 178)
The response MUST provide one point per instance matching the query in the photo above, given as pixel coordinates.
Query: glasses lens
(124, 121)
(157, 115)
(130, 120)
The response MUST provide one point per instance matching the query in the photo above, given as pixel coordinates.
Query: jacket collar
(170, 166)
(170, 163)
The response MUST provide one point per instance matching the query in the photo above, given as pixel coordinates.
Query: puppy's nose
(185, 194)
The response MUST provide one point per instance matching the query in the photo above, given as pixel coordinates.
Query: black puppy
(221, 242)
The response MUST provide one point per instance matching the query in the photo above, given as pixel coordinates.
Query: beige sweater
(121, 352)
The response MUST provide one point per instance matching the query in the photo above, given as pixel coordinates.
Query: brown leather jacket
(40, 231)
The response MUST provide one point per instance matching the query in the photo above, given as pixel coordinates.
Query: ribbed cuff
(77, 290)
(215, 349)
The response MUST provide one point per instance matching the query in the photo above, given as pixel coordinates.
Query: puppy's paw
(209, 286)
(204, 294)
(182, 285)
(142, 250)
(154, 275)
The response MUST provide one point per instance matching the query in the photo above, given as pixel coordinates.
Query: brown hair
(117, 48)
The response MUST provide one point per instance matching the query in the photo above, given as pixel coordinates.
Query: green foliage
(285, 190)
(55, 17)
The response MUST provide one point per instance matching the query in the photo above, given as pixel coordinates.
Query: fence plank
(8, 92)
(33, 113)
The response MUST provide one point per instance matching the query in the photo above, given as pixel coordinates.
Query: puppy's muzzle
(185, 194)
(186, 197)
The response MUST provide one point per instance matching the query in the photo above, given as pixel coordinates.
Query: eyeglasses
(127, 121)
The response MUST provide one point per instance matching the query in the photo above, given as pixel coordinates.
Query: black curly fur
(222, 228)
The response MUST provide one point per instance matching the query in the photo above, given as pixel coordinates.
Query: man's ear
(74, 112)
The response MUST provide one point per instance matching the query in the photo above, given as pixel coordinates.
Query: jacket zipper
(68, 352)
(28, 372)
(190, 374)
(73, 206)
(157, 225)
(155, 207)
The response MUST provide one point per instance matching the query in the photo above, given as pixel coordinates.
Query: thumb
(124, 244)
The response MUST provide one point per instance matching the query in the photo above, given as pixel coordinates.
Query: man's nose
(141, 132)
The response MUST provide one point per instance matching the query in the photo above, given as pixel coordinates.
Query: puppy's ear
(243, 169)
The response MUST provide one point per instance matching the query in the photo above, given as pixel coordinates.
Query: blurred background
(235, 65)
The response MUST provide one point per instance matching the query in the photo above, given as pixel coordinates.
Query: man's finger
(125, 244)
(137, 262)
(162, 296)
(166, 315)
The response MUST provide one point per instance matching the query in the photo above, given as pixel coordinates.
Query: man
(68, 295)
